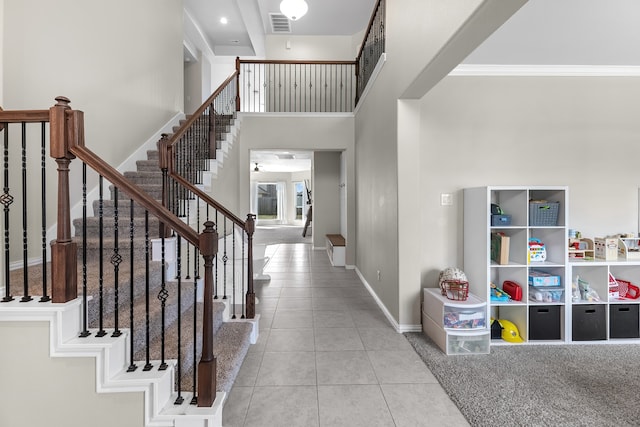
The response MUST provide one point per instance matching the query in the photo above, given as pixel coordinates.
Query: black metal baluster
(7, 200)
(132, 366)
(196, 277)
(101, 332)
(179, 399)
(25, 246)
(194, 400)
(190, 195)
(196, 252)
(116, 259)
(162, 296)
(225, 258)
(216, 289)
(148, 365)
(43, 178)
(85, 330)
(233, 268)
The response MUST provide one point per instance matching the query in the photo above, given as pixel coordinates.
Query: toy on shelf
(537, 250)
(622, 289)
(581, 291)
(498, 295)
(581, 248)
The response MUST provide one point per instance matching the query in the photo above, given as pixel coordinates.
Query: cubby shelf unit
(539, 322)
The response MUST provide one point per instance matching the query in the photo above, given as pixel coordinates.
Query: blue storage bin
(500, 220)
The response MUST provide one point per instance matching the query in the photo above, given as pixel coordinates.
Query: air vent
(279, 23)
(285, 156)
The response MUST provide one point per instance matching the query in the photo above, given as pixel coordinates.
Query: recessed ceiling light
(224, 20)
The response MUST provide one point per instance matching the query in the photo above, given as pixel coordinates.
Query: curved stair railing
(120, 243)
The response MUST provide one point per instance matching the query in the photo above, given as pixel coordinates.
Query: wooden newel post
(164, 159)
(250, 228)
(64, 251)
(237, 83)
(207, 368)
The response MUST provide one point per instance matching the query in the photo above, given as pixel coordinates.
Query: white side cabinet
(540, 315)
(457, 327)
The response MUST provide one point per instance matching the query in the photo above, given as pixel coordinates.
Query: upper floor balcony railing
(267, 86)
(296, 86)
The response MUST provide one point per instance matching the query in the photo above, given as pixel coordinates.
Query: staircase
(231, 338)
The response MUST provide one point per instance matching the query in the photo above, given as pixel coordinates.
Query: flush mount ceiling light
(293, 9)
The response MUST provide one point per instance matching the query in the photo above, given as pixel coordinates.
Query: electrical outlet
(446, 199)
(379, 276)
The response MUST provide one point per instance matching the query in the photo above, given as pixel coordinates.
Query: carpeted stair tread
(230, 346)
(108, 250)
(124, 209)
(148, 165)
(153, 190)
(144, 177)
(93, 278)
(187, 342)
(124, 222)
(155, 315)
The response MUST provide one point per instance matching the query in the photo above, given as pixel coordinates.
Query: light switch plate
(446, 199)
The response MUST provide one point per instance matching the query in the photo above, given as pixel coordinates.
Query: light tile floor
(327, 356)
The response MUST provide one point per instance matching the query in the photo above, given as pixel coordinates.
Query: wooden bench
(336, 249)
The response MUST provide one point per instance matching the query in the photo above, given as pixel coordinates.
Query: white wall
(193, 85)
(315, 48)
(300, 132)
(580, 132)
(225, 188)
(61, 391)
(120, 62)
(222, 68)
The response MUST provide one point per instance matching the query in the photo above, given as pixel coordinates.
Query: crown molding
(546, 70)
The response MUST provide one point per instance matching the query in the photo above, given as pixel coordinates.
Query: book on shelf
(500, 248)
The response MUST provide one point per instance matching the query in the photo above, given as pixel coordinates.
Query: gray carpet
(540, 385)
(273, 235)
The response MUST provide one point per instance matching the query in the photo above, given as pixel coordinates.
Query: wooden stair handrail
(208, 199)
(366, 33)
(27, 116)
(75, 129)
(191, 120)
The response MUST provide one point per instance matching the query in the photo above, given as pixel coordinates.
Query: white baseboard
(400, 328)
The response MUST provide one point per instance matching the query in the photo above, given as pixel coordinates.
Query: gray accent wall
(425, 40)
(326, 196)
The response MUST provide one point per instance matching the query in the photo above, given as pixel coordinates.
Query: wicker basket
(456, 290)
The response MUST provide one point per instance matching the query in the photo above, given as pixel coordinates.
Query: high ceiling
(551, 32)
(249, 21)
(566, 32)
